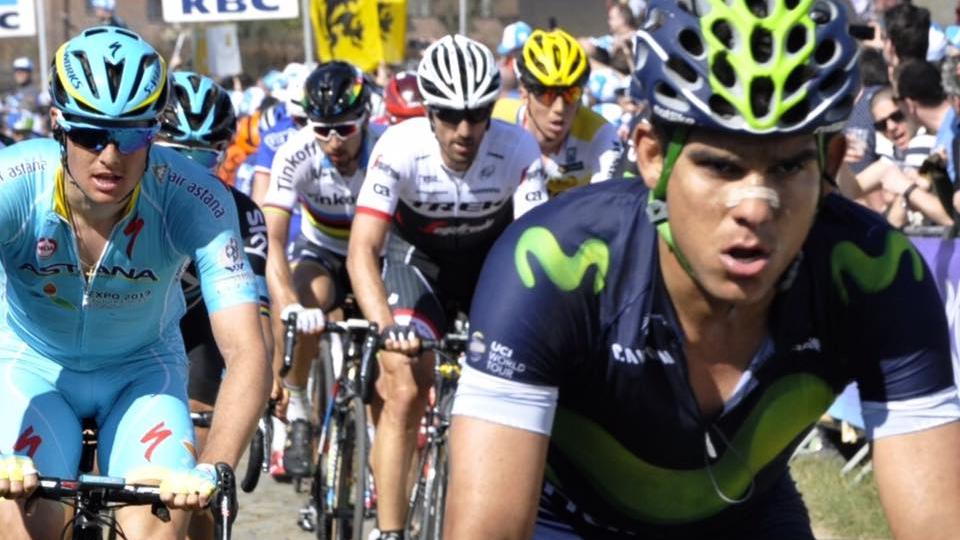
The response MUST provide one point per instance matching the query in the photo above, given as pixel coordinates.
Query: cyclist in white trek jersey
(320, 167)
(446, 185)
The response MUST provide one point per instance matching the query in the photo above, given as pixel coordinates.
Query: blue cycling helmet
(108, 5)
(200, 113)
(748, 66)
(108, 76)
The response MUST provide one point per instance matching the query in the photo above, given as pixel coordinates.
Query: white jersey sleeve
(380, 191)
(290, 164)
(607, 147)
(532, 189)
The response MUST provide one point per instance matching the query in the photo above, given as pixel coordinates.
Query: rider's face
(459, 139)
(550, 115)
(740, 209)
(106, 176)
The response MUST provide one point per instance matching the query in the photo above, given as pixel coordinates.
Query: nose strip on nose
(739, 194)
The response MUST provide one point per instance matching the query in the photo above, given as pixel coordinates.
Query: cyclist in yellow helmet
(578, 145)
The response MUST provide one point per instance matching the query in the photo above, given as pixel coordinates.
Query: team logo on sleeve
(231, 258)
(46, 247)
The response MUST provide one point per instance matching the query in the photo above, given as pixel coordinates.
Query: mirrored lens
(128, 140)
(342, 131)
(569, 94)
(455, 116)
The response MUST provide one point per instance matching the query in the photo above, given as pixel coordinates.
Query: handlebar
(289, 340)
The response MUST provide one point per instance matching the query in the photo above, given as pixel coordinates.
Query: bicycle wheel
(343, 485)
(425, 515)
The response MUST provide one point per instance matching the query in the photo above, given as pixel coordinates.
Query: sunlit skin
(344, 153)
(459, 143)
(549, 124)
(737, 253)
(899, 133)
(102, 181)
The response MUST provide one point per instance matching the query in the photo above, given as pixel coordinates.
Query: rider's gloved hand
(189, 490)
(309, 320)
(18, 476)
(401, 338)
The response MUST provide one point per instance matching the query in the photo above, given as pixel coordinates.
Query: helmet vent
(666, 90)
(761, 95)
(682, 68)
(145, 62)
(822, 13)
(114, 78)
(795, 114)
(761, 44)
(759, 8)
(723, 71)
(791, 4)
(720, 106)
(724, 32)
(825, 52)
(690, 42)
(795, 80)
(832, 82)
(796, 39)
(87, 72)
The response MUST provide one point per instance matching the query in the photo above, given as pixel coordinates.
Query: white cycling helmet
(457, 72)
(296, 75)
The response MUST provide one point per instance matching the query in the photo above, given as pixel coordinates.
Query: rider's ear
(649, 149)
(836, 148)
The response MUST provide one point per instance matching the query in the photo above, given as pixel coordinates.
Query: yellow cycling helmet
(553, 59)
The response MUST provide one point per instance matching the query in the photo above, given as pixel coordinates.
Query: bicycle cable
(710, 452)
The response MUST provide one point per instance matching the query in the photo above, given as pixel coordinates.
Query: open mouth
(745, 261)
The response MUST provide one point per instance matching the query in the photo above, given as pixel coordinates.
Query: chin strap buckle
(656, 211)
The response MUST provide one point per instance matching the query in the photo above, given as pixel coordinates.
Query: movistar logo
(565, 272)
(872, 274)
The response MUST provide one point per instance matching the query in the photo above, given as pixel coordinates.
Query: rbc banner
(17, 18)
(362, 32)
(228, 10)
(943, 258)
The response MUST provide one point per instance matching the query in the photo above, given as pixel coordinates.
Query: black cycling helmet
(336, 92)
(200, 114)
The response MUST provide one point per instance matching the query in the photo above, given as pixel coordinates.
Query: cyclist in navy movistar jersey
(96, 227)
(645, 359)
(443, 188)
(277, 124)
(199, 123)
(320, 169)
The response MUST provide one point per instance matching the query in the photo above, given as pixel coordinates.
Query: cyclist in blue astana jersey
(645, 359)
(95, 228)
(199, 123)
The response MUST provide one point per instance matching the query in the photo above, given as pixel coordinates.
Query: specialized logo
(46, 247)
(872, 274)
(114, 49)
(28, 441)
(565, 272)
(154, 437)
(133, 231)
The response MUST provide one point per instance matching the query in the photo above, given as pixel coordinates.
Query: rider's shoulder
(588, 125)
(30, 158)
(169, 174)
(843, 220)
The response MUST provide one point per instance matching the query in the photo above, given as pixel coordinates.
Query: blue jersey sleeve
(888, 313)
(23, 170)
(204, 225)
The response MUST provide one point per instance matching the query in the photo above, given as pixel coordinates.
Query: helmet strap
(657, 199)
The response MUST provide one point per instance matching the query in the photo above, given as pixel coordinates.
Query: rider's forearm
(368, 289)
(245, 388)
(279, 278)
(258, 191)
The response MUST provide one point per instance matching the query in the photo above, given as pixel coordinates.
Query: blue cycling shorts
(140, 408)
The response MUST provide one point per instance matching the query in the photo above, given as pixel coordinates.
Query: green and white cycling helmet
(743, 67)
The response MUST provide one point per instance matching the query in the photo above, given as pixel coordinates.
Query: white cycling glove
(309, 320)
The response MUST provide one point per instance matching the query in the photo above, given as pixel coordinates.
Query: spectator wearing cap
(514, 36)
(26, 95)
(920, 89)
(105, 12)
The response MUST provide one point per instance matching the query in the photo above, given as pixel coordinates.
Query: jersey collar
(61, 207)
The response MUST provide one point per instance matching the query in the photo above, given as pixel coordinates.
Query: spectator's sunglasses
(897, 116)
(128, 140)
(455, 116)
(547, 95)
(342, 131)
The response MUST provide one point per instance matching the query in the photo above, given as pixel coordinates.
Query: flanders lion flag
(362, 32)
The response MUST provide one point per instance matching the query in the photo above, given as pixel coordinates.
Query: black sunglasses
(897, 116)
(455, 116)
(128, 140)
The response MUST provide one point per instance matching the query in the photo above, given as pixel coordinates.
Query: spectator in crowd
(26, 94)
(920, 88)
(20, 124)
(907, 34)
(105, 12)
(514, 36)
(618, 43)
(861, 137)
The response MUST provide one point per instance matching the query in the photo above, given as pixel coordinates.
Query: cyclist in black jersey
(645, 359)
(199, 122)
